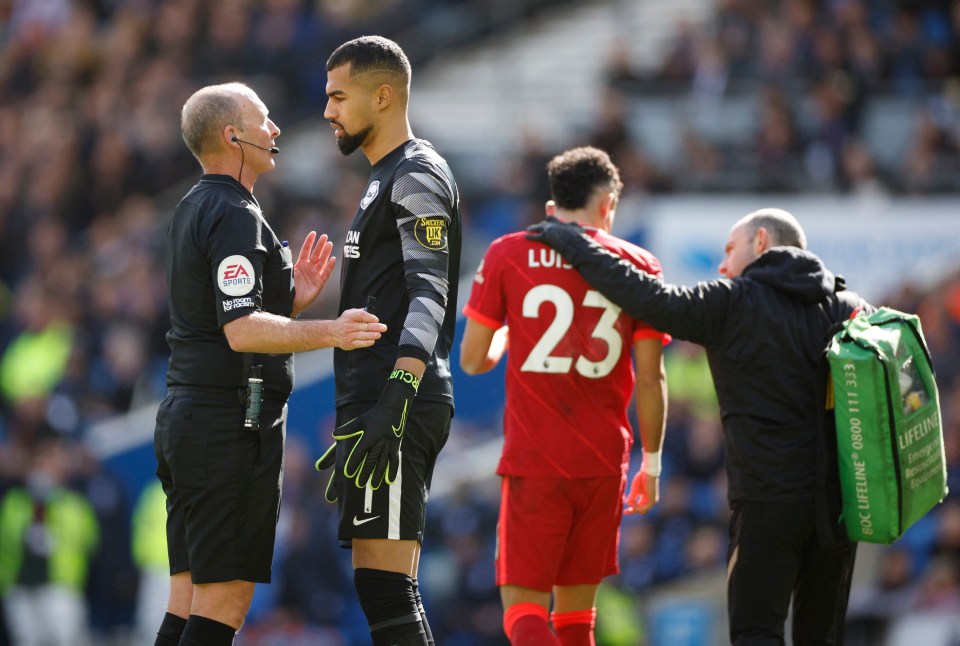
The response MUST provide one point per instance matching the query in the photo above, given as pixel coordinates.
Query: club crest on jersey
(431, 232)
(371, 193)
(235, 276)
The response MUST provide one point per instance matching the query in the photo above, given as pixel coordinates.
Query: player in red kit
(567, 437)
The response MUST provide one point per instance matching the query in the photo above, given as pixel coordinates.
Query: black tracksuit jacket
(764, 333)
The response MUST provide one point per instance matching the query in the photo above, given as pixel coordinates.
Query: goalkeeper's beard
(348, 143)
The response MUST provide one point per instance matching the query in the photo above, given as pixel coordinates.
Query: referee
(403, 250)
(233, 290)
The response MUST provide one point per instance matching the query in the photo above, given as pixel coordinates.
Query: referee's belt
(223, 393)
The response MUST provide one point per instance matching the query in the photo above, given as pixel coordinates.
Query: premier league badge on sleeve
(431, 232)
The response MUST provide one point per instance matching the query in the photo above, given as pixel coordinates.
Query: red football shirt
(569, 376)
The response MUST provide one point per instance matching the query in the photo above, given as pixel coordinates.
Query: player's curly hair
(574, 176)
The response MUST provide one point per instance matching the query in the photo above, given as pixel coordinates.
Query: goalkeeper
(394, 402)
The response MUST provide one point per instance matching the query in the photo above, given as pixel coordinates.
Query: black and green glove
(327, 460)
(373, 439)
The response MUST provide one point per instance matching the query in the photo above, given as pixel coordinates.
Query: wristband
(402, 375)
(651, 463)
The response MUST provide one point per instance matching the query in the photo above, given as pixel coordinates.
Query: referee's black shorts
(222, 483)
(396, 511)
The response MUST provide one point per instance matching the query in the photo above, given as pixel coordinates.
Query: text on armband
(406, 377)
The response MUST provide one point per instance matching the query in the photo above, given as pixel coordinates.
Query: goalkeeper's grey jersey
(403, 248)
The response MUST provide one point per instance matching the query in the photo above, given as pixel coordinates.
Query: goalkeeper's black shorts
(396, 511)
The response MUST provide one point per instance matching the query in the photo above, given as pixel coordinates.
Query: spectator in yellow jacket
(48, 534)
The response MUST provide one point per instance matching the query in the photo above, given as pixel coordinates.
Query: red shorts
(558, 532)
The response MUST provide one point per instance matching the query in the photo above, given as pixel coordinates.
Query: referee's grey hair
(208, 111)
(783, 228)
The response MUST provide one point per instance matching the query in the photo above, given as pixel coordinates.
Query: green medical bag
(889, 433)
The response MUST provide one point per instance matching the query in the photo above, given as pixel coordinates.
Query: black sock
(388, 602)
(201, 631)
(423, 613)
(170, 629)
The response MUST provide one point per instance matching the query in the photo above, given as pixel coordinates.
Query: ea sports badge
(431, 232)
(235, 276)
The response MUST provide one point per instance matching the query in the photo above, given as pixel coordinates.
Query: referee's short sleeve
(237, 258)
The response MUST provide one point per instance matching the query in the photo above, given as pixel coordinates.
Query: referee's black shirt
(403, 248)
(223, 262)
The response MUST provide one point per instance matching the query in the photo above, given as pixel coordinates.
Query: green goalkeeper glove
(327, 460)
(373, 439)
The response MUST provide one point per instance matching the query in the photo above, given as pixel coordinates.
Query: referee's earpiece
(273, 150)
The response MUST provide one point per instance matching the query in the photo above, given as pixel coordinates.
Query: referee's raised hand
(313, 267)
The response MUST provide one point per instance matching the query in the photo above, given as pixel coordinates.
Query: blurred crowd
(91, 158)
(806, 85)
